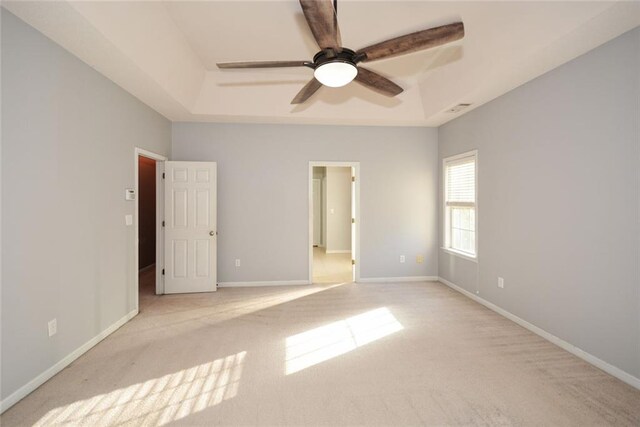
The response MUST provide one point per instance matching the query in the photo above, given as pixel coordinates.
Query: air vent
(458, 108)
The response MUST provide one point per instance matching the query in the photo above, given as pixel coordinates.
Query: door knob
(212, 233)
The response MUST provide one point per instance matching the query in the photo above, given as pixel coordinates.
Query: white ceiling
(164, 53)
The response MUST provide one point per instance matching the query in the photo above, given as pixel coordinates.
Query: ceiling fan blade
(321, 17)
(378, 83)
(413, 42)
(306, 92)
(264, 64)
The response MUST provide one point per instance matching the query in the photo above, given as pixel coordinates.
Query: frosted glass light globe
(335, 74)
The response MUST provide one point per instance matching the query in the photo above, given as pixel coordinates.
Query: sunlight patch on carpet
(157, 401)
(337, 338)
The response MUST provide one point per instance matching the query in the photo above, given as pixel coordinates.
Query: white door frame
(159, 215)
(355, 243)
(321, 242)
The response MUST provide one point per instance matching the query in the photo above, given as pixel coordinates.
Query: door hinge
(163, 223)
(163, 271)
(353, 220)
(353, 262)
(162, 175)
(353, 179)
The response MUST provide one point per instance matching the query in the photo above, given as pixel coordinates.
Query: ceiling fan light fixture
(336, 73)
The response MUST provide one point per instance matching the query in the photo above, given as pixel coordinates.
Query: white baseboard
(338, 251)
(267, 283)
(587, 357)
(398, 279)
(23, 391)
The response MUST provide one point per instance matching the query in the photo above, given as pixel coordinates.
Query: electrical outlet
(53, 327)
(419, 259)
(401, 258)
(500, 282)
(237, 262)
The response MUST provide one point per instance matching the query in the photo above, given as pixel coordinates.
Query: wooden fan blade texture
(263, 64)
(321, 18)
(378, 83)
(306, 92)
(413, 42)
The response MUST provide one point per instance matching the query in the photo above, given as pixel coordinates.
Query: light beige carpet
(375, 354)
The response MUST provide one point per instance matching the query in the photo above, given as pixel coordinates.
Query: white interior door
(317, 212)
(190, 227)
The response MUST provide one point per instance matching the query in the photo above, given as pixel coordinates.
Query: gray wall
(68, 137)
(263, 199)
(559, 201)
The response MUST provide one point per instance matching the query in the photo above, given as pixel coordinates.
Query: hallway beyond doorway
(331, 268)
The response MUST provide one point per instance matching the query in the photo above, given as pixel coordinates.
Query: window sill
(461, 255)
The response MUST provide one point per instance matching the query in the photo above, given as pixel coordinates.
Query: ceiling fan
(336, 66)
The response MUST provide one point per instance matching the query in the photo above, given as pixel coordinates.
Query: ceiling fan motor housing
(330, 55)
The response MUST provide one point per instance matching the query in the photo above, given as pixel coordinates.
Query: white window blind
(461, 181)
(460, 204)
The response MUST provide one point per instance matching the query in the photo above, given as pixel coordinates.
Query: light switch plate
(53, 327)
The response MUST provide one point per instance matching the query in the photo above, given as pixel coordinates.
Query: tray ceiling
(164, 53)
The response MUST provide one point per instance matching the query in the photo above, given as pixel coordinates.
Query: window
(460, 197)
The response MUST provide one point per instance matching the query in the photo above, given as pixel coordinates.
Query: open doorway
(333, 222)
(146, 228)
(149, 214)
